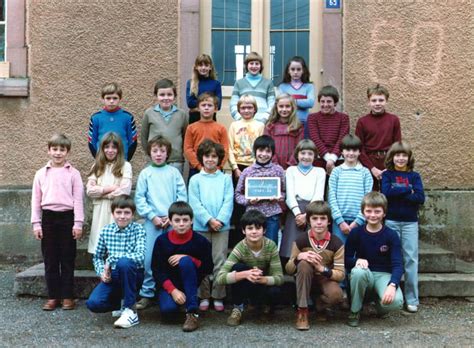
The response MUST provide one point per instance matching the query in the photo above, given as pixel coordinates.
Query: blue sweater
(205, 85)
(381, 249)
(211, 196)
(157, 188)
(119, 121)
(304, 97)
(404, 191)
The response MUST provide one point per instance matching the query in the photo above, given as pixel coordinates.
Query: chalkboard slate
(262, 188)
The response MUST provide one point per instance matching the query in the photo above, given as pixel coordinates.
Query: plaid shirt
(115, 243)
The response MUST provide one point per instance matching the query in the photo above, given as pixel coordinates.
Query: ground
(439, 323)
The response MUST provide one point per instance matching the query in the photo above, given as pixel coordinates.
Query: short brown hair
(329, 91)
(374, 199)
(207, 95)
(399, 147)
(207, 147)
(305, 144)
(160, 141)
(317, 208)
(378, 89)
(164, 83)
(350, 142)
(111, 88)
(61, 140)
(122, 202)
(251, 57)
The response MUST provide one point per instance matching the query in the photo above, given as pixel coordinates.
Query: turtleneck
(153, 164)
(178, 238)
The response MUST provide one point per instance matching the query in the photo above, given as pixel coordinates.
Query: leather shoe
(68, 304)
(50, 304)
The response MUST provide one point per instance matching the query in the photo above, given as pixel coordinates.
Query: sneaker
(128, 319)
(219, 305)
(412, 308)
(235, 317)
(353, 319)
(191, 323)
(204, 305)
(302, 319)
(143, 303)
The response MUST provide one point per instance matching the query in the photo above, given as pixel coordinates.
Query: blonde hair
(201, 59)
(60, 140)
(101, 160)
(247, 99)
(293, 121)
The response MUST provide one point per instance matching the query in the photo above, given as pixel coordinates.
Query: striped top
(347, 187)
(285, 142)
(267, 260)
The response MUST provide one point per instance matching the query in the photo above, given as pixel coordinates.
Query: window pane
(2, 10)
(231, 14)
(289, 14)
(2, 42)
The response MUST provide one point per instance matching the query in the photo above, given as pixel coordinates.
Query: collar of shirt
(166, 114)
(177, 238)
(358, 166)
(319, 243)
(66, 165)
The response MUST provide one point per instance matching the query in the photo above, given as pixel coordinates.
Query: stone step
(433, 259)
(446, 285)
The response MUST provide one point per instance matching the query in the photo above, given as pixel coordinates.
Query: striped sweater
(267, 260)
(347, 187)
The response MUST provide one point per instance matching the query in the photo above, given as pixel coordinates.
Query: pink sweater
(57, 189)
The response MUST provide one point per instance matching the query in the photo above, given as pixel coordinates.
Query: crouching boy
(119, 260)
(317, 257)
(253, 268)
(181, 259)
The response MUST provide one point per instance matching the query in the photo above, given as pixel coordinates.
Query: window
(2, 30)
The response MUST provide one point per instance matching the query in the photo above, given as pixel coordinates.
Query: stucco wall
(422, 50)
(74, 48)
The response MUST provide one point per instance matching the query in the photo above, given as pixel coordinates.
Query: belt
(378, 153)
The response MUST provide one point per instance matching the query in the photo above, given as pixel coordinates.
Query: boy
(181, 259)
(327, 128)
(253, 268)
(112, 118)
(373, 259)
(211, 196)
(205, 128)
(348, 184)
(158, 186)
(378, 131)
(167, 120)
(118, 261)
(57, 215)
(263, 149)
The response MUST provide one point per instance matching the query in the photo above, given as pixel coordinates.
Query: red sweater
(327, 131)
(377, 133)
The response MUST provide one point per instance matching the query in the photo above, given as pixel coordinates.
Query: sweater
(118, 121)
(157, 188)
(304, 97)
(263, 93)
(154, 124)
(332, 253)
(267, 260)
(347, 187)
(197, 132)
(211, 196)
(304, 186)
(242, 134)
(377, 133)
(381, 249)
(205, 85)
(404, 191)
(285, 142)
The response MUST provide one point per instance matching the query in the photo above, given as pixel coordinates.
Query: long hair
(293, 121)
(101, 160)
(206, 59)
(304, 77)
(399, 147)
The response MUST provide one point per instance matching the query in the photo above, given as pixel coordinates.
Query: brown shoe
(50, 304)
(191, 323)
(69, 304)
(302, 319)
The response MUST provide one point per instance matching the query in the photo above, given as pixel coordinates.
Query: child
(158, 186)
(404, 190)
(167, 120)
(378, 131)
(118, 261)
(110, 176)
(304, 184)
(297, 84)
(112, 118)
(253, 268)
(181, 259)
(285, 128)
(204, 79)
(348, 184)
(256, 85)
(317, 258)
(211, 196)
(327, 128)
(373, 259)
(205, 128)
(57, 215)
(263, 148)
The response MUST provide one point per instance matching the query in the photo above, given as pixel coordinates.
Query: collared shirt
(166, 114)
(319, 243)
(115, 243)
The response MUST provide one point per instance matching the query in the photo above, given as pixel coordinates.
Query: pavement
(439, 323)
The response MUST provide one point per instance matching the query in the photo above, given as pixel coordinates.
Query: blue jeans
(408, 233)
(126, 279)
(338, 233)
(273, 227)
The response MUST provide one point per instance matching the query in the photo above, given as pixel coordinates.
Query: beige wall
(423, 51)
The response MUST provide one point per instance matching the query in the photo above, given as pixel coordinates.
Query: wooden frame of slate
(262, 188)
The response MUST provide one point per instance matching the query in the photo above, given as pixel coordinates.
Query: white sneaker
(128, 319)
(412, 308)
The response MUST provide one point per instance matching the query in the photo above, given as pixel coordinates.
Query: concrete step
(433, 259)
(446, 285)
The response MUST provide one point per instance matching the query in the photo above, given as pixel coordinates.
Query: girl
(204, 79)
(404, 190)
(304, 184)
(297, 84)
(109, 177)
(285, 129)
(257, 86)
